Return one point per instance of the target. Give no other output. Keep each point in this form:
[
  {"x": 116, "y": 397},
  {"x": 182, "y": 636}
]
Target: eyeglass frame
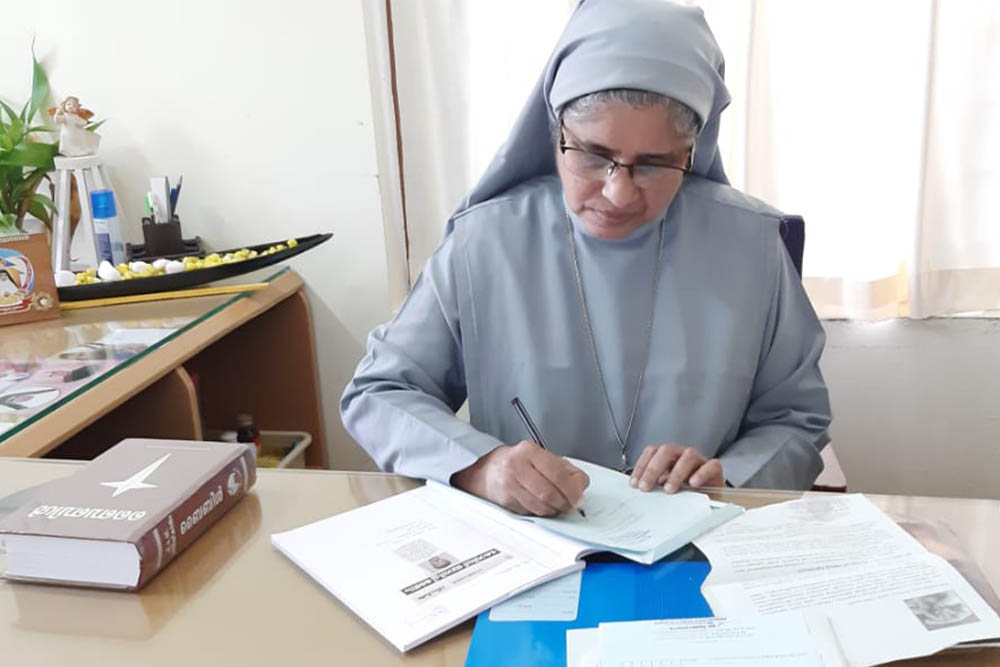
[{"x": 614, "y": 165}]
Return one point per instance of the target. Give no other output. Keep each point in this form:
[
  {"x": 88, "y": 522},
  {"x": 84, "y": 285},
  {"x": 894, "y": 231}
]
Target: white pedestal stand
[{"x": 84, "y": 168}]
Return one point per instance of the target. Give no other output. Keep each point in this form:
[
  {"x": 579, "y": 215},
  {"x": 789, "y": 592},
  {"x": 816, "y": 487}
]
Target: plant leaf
[
  {"x": 44, "y": 201},
  {"x": 39, "y": 86},
  {"x": 93, "y": 126},
  {"x": 37, "y": 209},
  {"x": 28, "y": 185},
  {"x": 30, "y": 155},
  {"x": 8, "y": 224},
  {"x": 15, "y": 131},
  {"x": 10, "y": 112}
]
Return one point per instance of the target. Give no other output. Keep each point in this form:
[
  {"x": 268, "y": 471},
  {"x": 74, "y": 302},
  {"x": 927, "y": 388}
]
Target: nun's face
[{"x": 613, "y": 206}]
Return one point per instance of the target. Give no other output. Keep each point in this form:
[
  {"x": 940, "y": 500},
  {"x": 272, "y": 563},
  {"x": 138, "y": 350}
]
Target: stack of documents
[
  {"x": 839, "y": 557},
  {"x": 823, "y": 581},
  {"x": 421, "y": 562}
]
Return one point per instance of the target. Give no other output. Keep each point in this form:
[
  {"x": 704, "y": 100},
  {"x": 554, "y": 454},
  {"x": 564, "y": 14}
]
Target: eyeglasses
[{"x": 596, "y": 167}]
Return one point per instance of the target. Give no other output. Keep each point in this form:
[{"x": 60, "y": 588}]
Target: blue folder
[{"x": 610, "y": 591}]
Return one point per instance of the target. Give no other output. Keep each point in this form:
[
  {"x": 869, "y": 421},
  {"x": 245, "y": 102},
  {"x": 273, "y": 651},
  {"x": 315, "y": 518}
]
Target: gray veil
[{"x": 649, "y": 45}]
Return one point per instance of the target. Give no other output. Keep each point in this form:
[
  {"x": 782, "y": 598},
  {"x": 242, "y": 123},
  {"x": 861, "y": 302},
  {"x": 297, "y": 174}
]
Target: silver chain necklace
[{"x": 622, "y": 440}]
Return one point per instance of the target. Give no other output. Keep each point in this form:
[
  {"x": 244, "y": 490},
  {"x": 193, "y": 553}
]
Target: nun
[{"x": 604, "y": 272}]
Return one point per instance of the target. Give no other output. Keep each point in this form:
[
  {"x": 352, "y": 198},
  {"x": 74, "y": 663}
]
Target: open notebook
[{"x": 419, "y": 563}]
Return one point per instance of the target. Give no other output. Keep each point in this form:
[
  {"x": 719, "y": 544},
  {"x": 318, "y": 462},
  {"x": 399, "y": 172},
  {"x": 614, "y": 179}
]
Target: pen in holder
[{"x": 163, "y": 239}]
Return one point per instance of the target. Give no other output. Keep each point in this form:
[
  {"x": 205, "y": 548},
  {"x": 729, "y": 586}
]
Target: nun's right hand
[{"x": 526, "y": 479}]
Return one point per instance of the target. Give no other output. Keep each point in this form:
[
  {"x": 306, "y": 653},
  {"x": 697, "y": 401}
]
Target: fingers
[
  {"x": 579, "y": 479},
  {"x": 514, "y": 506},
  {"x": 640, "y": 465},
  {"x": 660, "y": 461},
  {"x": 538, "y": 494},
  {"x": 671, "y": 466},
  {"x": 562, "y": 475},
  {"x": 689, "y": 461},
  {"x": 709, "y": 474},
  {"x": 530, "y": 480},
  {"x": 527, "y": 479}
]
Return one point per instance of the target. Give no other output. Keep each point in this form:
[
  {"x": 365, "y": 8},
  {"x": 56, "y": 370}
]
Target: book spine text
[{"x": 195, "y": 514}]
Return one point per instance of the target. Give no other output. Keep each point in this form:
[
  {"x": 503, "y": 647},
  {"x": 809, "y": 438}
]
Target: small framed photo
[{"x": 27, "y": 286}]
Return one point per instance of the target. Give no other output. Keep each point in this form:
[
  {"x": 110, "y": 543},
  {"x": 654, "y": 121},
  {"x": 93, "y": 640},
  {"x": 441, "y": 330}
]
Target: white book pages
[
  {"x": 643, "y": 526},
  {"x": 419, "y": 563}
]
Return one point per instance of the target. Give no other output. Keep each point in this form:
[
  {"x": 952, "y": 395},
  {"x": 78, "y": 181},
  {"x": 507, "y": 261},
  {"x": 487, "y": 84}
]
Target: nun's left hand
[{"x": 672, "y": 465}]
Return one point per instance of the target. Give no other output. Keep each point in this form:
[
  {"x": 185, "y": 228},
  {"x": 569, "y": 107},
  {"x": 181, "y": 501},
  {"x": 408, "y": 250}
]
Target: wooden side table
[{"x": 252, "y": 352}]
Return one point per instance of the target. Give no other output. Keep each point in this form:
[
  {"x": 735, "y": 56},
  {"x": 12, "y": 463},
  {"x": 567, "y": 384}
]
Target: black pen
[
  {"x": 175, "y": 194},
  {"x": 533, "y": 432}
]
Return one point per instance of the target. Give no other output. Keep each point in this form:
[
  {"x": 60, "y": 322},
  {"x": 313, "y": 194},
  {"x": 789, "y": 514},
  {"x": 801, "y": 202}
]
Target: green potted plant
[{"x": 25, "y": 160}]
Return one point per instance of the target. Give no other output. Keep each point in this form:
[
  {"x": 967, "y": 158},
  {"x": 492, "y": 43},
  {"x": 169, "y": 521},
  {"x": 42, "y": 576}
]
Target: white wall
[
  {"x": 916, "y": 405},
  {"x": 265, "y": 109}
]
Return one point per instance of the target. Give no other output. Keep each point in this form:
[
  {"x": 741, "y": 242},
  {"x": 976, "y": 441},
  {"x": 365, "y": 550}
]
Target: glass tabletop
[{"x": 43, "y": 365}]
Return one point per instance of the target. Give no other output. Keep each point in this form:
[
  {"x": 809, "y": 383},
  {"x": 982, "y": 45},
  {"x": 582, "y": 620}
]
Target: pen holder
[{"x": 164, "y": 239}]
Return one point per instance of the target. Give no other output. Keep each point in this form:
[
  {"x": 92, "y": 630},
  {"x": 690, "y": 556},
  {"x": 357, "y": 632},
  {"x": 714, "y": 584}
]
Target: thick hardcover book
[{"x": 127, "y": 514}]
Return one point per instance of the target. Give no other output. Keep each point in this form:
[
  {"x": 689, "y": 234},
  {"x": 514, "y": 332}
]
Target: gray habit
[{"x": 733, "y": 362}]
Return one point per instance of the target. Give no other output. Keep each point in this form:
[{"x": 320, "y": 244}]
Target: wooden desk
[
  {"x": 231, "y": 598},
  {"x": 235, "y": 353}
]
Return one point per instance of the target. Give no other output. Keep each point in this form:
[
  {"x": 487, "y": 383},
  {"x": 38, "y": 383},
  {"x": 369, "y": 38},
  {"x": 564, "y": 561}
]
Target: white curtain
[
  {"x": 463, "y": 70},
  {"x": 876, "y": 120},
  {"x": 957, "y": 239}
]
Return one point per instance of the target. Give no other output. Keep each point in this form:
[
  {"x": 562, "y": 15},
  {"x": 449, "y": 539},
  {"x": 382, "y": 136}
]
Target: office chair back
[{"x": 793, "y": 234}]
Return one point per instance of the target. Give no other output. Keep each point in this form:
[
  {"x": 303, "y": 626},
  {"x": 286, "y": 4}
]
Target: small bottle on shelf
[
  {"x": 246, "y": 431},
  {"x": 107, "y": 228}
]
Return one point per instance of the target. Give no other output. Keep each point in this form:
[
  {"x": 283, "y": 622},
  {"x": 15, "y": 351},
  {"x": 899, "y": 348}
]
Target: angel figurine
[{"x": 72, "y": 119}]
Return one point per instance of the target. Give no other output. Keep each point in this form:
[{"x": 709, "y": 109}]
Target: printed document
[
  {"x": 843, "y": 557},
  {"x": 420, "y": 562},
  {"x": 786, "y": 640}
]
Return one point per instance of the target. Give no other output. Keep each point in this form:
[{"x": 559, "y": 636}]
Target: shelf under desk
[{"x": 253, "y": 352}]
